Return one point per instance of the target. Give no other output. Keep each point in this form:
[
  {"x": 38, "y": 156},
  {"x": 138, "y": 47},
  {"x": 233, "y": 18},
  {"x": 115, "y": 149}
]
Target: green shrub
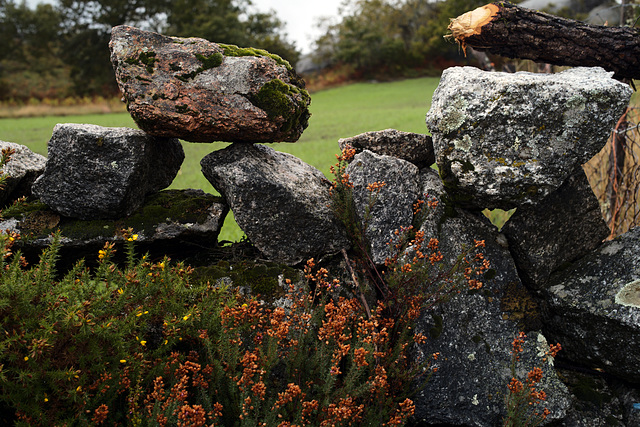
[{"x": 146, "y": 343}]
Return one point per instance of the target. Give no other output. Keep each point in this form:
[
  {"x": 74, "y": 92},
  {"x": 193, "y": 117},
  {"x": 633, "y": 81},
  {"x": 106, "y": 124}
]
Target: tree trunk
[{"x": 515, "y": 32}]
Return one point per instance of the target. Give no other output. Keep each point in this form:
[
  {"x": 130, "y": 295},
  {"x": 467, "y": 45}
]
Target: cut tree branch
[{"x": 508, "y": 30}]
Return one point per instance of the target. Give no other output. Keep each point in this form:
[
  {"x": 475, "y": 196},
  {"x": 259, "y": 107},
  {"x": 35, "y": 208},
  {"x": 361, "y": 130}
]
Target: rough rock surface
[
  {"x": 392, "y": 206},
  {"x": 200, "y": 91},
  {"x": 280, "y": 202},
  {"x": 593, "y": 308},
  {"x": 21, "y": 170},
  {"x": 176, "y": 223},
  {"x": 474, "y": 330},
  {"x": 95, "y": 172},
  {"x": 565, "y": 226},
  {"x": 505, "y": 140},
  {"x": 413, "y": 147}
]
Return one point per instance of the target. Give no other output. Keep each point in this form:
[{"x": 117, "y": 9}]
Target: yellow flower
[
  {"x": 102, "y": 253},
  {"x": 161, "y": 265},
  {"x": 133, "y": 238},
  {"x": 143, "y": 343},
  {"x": 46, "y": 399},
  {"x": 79, "y": 388},
  {"x": 186, "y": 317},
  {"x": 123, "y": 361},
  {"x": 26, "y": 358},
  {"x": 120, "y": 291}
]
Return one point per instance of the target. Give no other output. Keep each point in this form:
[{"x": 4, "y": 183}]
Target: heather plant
[
  {"x": 523, "y": 400},
  {"x": 4, "y": 159},
  {"x": 144, "y": 343}
]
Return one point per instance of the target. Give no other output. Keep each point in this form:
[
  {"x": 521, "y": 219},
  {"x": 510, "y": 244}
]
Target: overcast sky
[{"x": 299, "y": 16}]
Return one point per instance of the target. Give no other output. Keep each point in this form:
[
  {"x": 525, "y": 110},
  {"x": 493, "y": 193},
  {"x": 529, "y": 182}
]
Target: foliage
[
  {"x": 523, "y": 400},
  {"x": 389, "y": 37},
  {"x": 144, "y": 344}
]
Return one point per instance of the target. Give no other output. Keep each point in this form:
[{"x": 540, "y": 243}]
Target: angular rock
[
  {"x": 564, "y": 226},
  {"x": 280, "y": 202},
  {"x": 593, "y": 308},
  {"x": 177, "y": 223},
  {"x": 474, "y": 330},
  {"x": 96, "y": 172},
  {"x": 413, "y": 147},
  {"x": 200, "y": 91},
  {"x": 392, "y": 206},
  {"x": 505, "y": 140},
  {"x": 22, "y": 169}
]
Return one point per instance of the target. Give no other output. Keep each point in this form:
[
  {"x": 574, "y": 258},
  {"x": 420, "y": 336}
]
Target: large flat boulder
[
  {"x": 200, "y": 91},
  {"x": 593, "y": 308},
  {"x": 505, "y": 140},
  {"x": 564, "y": 226},
  {"x": 95, "y": 172},
  {"x": 416, "y": 148},
  {"x": 387, "y": 209},
  {"x": 281, "y": 203},
  {"x": 21, "y": 171},
  {"x": 176, "y": 223}
]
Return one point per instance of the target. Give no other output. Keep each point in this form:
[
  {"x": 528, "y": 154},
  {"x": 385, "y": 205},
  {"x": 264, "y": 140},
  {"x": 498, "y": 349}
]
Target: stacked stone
[
  {"x": 191, "y": 89},
  {"x": 498, "y": 141}
]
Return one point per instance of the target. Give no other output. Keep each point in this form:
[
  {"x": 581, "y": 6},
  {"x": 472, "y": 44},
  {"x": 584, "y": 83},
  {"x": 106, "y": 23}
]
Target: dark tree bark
[{"x": 515, "y": 32}]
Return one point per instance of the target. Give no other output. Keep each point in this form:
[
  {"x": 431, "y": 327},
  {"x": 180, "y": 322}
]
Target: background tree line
[{"x": 61, "y": 50}]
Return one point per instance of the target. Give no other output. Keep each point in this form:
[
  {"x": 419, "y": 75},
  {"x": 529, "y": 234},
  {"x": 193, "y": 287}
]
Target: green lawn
[{"x": 336, "y": 113}]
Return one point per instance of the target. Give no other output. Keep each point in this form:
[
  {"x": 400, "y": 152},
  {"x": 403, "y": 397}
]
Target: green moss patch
[
  {"x": 279, "y": 99},
  {"x": 208, "y": 62},
  {"x": 147, "y": 59},
  {"x": 233, "y": 50},
  {"x": 260, "y": 278},
  {"x": 38, "y": 220}
]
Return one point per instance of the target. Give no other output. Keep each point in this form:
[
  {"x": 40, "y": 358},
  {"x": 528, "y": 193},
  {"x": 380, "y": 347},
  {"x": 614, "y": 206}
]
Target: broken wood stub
[{"x": 515, "y": 32}]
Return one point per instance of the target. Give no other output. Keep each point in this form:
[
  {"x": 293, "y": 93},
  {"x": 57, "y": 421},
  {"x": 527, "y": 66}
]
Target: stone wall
[{"x": 498, "y": 141}]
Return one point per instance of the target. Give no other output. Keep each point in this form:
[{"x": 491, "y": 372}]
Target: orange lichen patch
[{"x": 471, "y": 23}]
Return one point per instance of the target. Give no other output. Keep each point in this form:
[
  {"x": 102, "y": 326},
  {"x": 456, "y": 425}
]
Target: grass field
[{"x": 336, "y": 113}]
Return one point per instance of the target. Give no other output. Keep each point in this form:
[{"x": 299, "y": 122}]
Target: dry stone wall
[{"x": 499, "y": 140}]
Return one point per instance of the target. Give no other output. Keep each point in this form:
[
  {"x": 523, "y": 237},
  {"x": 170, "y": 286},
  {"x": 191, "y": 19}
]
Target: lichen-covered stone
[
  {"x": 593, "y": 308},
  {"x": 564, "y": 226},
  {"x": 200, "y": 91},
  {"x": 281, "y": 203},
  {"x": 413, "y": 147},
  {"x": 95, "y": 172},
  {"x": 20, "y": 172},
  {"x": 505, "y": 140},
  {"x": 473, "y": 331},
  {"x": 178, "y": 223},
  {"x": 388, "y": 209}
]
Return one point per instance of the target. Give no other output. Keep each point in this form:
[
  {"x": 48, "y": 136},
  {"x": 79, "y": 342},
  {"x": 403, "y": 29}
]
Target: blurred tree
[
  {"x": 29, "y": 50},
  {"x": 390, "y": 36},
  {"x": 87, "y": 30},
  {"x": 232, "y": 22},
  {"x": 89, "y": 23}
]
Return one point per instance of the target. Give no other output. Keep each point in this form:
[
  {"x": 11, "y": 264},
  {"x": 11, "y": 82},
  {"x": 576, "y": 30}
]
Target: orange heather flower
[
  {"x": 376, "y": 186},
  {"x": 517, "y": 344},
  {"x": 554, "y": 349},
  {"x": 515, "y": 386},
  {"x": 100, "y": 414},
  {"x": 360, "y": 356},
  {"x": 535, "y": 375}
]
